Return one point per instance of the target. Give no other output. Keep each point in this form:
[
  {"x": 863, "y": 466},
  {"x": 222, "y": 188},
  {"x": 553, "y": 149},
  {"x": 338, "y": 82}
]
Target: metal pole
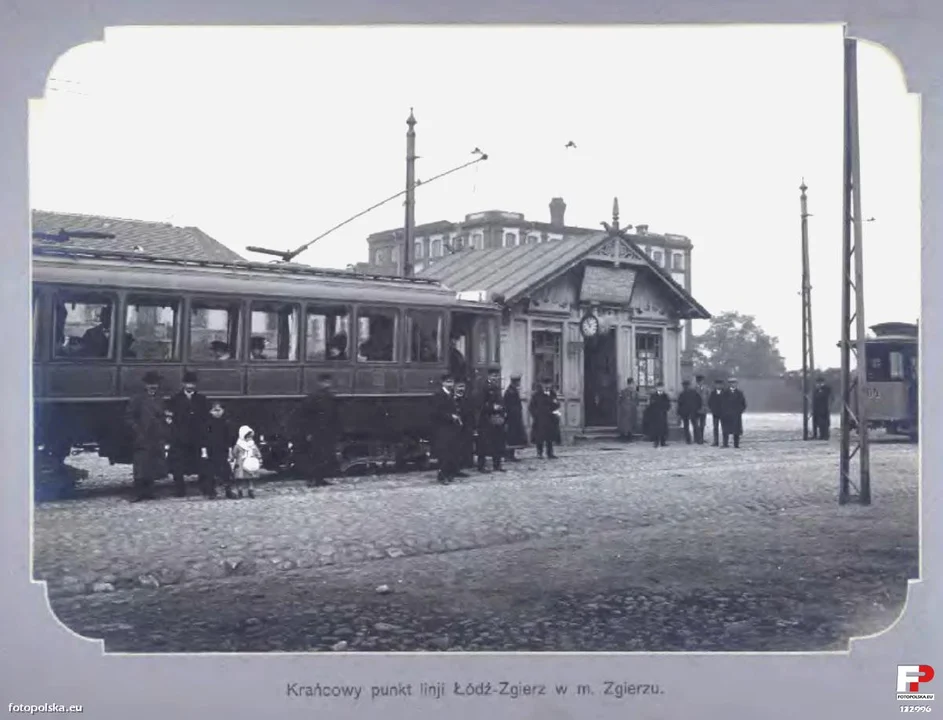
[
  {"x": 410, "y": 223},
  {"x": 805, "y": 314}
]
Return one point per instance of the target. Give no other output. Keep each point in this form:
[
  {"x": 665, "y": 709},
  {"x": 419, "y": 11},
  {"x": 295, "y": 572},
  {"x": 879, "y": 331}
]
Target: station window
[
  {"x": 424, "y": 329},
  {"x": 376, "y": 334},
  {"x": 214, "y": 330},
  {"x": 151, "y": 329},
  {"x": 84, "y": 326},
  {"x": 547, "y": 355},
  {"x": 677, "y": 261},
  {"x": 328, "y": 333},
  {"x": 648, "y": 359},
  {"x": 658, "y": 257},
  {"x": 274, "y": 332}
]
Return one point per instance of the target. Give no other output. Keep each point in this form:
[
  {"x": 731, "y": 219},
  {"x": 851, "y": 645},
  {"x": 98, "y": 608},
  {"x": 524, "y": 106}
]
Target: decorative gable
[{"x": 617, "y": 250}]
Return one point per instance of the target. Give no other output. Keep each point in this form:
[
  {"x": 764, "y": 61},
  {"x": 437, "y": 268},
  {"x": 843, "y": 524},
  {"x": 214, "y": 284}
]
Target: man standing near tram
[{"x": 321, "y": 425}]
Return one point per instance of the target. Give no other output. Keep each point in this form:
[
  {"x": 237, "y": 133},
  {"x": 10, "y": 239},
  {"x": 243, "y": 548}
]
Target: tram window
[
  {"x": 84, "y": 326},
  {"x": 274, "y": 332},
  {"x": 214, "y": 331},
  {"x": 376, "y": 335},
  {"x": 896, "y": 365},
  {"x": 151, "y": 329},
  {"x": 328, "y": 335},
  {"x": 482, "y": 331},
  {"x": 37, "y": 324},
  {"x": 424, "y": 328}
]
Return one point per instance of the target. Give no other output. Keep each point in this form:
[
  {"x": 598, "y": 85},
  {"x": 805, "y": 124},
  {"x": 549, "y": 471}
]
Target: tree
[{"x": 735, "y": 346}]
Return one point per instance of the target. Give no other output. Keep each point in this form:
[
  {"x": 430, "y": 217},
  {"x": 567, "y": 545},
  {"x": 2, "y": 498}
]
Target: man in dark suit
[
  {"x": 660, "y": 404},
  {"x": 689, "y": 405},
  {"x": 191, "y": 412},
  {"x": 492, "y": 418},
  {"x": 321, "y": 426},
  {"x": 446, "y": 428},
  {"x": 732, "y": 406},
  {"x": 713, "y": 404},
  {"x": 821, "y": 409}
]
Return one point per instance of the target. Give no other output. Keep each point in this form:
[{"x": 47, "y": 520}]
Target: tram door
[{"x": 913, "y": 392}]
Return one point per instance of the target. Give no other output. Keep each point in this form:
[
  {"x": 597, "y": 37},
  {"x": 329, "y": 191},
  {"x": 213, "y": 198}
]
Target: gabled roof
[
  {"x": 514, "y": 271},
  {"x": 151, "y": 238}
]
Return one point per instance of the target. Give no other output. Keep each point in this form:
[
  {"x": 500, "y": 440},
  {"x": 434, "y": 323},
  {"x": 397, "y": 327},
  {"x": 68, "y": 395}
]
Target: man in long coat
[
  {"x": 321, "y": 427},
  {"x": 145, "y": 416},
  {"x": 446, "y": 428},
  {"x": 467, "y": 436},
  {"x": 732, "y": 406},
  {"x": 700, "y": 419},
  {"x": 689, "y": 405},
  {"x": 714, "y": 405},
  {"x": 191, "y": 412},
  {"x": 628, "y": 410},
  {"x": 542, "y": 409},
  {"x": 659, "y": 404},
  {"x": 821, "y": 409},
  {"x": 491, "y": 425},
  {"x": 516, "y": 432}
]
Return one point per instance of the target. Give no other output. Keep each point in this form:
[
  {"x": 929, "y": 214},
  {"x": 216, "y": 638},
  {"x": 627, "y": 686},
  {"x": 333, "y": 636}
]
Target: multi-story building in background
[{"x": 499, "y": 228}]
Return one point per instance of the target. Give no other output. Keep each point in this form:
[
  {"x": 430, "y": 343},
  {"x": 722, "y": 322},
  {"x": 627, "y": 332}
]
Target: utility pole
[
  {"x": 808, "y": 354},
  {"x": 854, "y": 400},
  {"x": 410, "y": 224}
]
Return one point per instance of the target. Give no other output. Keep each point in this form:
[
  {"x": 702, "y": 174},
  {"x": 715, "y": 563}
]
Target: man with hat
[
  {"x": 465, "y": 403},
  {"x": 732, "y": 406},
  {"x": 821, "y": 409},
  {"x": 191, "y": 412},
  {"x": 446, "y": 430},
  {"x": 689, "y": 405},
  {"x": 659, "y": 404},
  {"x": 145, "y": 416},
  {"x": 700, "y": 418},
  {"x": 516, "y": 437},
  {"x": 544, "y": 411},
  {"x": 714, "y": 405},
  {"x": 321, "y": 427},
  {"x": 491, "y": 421}
]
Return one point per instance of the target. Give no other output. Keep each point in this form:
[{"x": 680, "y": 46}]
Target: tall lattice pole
[
  {"x": 808, "y": 353},
  {"x": 854, "y": 402},
  {"x": 410, "y": 221}
]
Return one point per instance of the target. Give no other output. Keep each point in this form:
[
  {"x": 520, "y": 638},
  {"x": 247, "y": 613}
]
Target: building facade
[
  {"x": 586, "y": 312},
  {"x": 495, "y": 229}
]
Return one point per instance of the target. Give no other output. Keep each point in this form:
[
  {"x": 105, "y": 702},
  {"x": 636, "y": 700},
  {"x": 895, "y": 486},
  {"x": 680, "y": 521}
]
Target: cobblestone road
[{"x": 607, "y": 548}]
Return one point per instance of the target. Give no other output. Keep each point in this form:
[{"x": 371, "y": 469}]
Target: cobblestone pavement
[{"x": 607, "y": 548}]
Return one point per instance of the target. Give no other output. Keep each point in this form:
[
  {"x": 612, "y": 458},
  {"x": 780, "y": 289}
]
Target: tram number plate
[{"x": 873, "y": 393}]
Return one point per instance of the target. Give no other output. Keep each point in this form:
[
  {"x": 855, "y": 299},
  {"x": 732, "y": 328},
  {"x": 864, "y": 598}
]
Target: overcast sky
[{"x": 269, "y": 136}]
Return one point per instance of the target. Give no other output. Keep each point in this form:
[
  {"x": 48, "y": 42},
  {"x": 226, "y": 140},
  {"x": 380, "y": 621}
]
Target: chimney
[
  {"x": 557, "y": 210},
  {"x": 641, "y": 229}
]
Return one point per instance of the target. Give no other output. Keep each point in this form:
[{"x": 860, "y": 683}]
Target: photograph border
[{"x": 45, "y": 662}]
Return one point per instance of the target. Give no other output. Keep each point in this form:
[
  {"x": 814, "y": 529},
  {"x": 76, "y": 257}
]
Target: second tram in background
[
  {"x": 893, "y": 388},
  {"x": 258, "y": 336}
]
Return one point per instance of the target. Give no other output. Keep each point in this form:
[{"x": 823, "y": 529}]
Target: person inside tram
[
  {"x": 458, "y": 367},
  {"x": 337, "y": 347},
  {"x": 220, "y": 350},
  {"x": 257, "y": 348},
  {"x": 97, "y": 339}
]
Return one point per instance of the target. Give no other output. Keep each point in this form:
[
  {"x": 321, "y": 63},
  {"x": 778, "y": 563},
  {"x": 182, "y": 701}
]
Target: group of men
[{"x": 491, "y": 427}]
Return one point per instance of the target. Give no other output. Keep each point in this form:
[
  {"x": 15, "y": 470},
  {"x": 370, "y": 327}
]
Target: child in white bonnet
[{"x": 246, "y": 460}]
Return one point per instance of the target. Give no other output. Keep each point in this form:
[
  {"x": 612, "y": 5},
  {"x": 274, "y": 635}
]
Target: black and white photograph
[{"x": 469, "y": 339}]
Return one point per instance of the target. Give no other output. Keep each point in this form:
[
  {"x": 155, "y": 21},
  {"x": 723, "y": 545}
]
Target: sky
[{"x": 270, "y": 136}]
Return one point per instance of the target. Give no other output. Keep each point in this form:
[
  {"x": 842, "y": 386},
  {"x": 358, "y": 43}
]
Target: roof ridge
[{"x": 109, "y": 217}]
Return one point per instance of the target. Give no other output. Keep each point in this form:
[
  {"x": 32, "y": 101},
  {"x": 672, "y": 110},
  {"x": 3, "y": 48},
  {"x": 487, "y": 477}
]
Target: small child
[
  {"x": 218, "y": 443},
  {"x": 246, "y": 460}
]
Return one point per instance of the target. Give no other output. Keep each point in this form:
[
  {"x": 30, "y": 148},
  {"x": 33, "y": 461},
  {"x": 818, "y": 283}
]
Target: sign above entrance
[{"x": 609, "y": 285}]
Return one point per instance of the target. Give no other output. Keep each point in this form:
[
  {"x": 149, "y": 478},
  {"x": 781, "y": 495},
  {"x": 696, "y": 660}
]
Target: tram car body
[
  {"x": 892, "y": 371},
  {"x": 258, "y": 336}
]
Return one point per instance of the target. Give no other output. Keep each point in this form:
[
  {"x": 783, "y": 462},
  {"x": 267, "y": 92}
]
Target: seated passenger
[
  {"x": 257, "y": 348},
  {"x": 97, "y": 340},
  {"x": 220, "y": 350},
  {"x": 337, "y": 347}
]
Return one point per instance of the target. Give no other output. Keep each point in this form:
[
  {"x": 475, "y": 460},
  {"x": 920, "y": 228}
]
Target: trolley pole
[
  {"x": 808, "y": 355},
  {"x": 854, "y": 400},
  {"x": 410, "y": 223}
]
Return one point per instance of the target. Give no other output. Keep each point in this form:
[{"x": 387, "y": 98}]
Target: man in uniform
[
  {"x": 321, "y": 424},
  {"x": 514, "y": 406},
  {"x": 491, "y": 422},
  {"x": 145, "y": 417},
  {"x": 700, "y": 419},
  {"x": 732, "y": 406},
  {"x": 689, "y": 406},
  {"x": 713, "y": 404},
  {"x": 821, "y": 409},
  {"x": 446, "y": 427},
  {"x": 191, "y": 413}
]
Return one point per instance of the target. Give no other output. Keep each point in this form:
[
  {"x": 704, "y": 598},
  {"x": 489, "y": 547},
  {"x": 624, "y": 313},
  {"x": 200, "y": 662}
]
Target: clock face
[{"x": 590, "y": 325}]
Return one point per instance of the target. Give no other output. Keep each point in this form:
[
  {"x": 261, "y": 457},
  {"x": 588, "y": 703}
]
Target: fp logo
[{"x": 910, "y": 677}]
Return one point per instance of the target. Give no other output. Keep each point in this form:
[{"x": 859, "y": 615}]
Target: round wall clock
[{"x": 589, "y": 325}]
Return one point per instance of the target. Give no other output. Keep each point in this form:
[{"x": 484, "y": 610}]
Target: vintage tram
[
  {"x": 892, "y": 388},
  {"x": 258, "y": 336}
]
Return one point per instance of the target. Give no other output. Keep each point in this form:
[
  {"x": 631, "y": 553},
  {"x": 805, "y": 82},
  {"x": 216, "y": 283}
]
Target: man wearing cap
[
  {"x": 821, "y": 409},
  {"x": 689, "y": 405},
  {"x": 516, "y": 432},
  {"x": 713, "y": 404},
  {"x": 191, "y": 412},
  {"x": 446, "y": 430},
  {"x": 700, "y": 418},
  {"x": 491, "y": 421},
  {"x": 732, "y": 406},
  {"x": 149, "y": 434},
  {"x": 321, "y": 427}
]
